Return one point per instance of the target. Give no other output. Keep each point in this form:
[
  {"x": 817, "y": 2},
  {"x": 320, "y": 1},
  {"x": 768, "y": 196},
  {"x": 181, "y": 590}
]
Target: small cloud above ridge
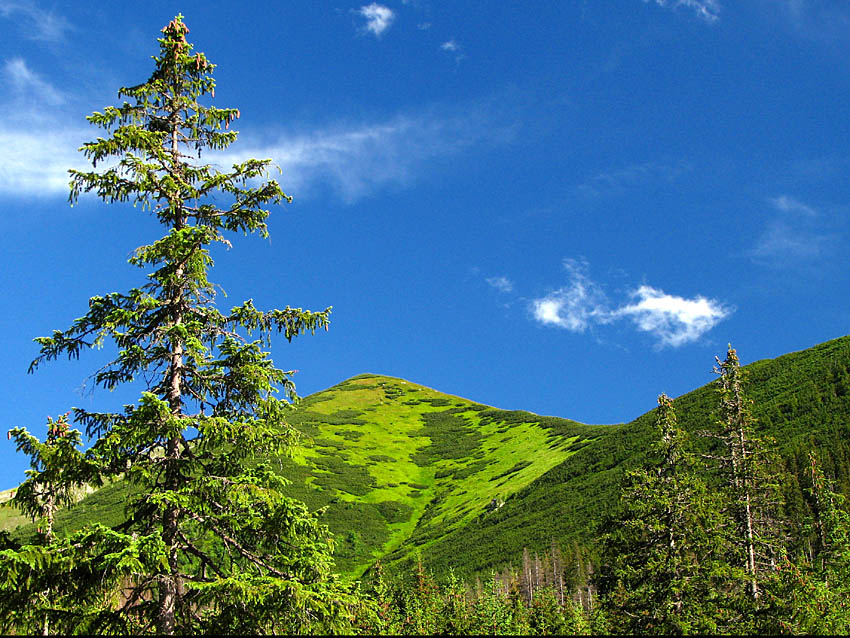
[
  {"x": 574, "y": 307},
  {"x": 672, "y": 320}
]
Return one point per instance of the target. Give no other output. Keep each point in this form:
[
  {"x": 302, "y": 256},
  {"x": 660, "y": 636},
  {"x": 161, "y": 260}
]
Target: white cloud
[
  {"x": 40, "y": 24},
  {"x": 378, "y": 18},
  {"x": 355, "y": 160},
  {"x": 708, "y": 10},
  {"x": 573, "y": 307},
  {"x": 672, "y": 320},
  {"x": 37, "y": 149},
  {"x": 502, "y": 284},
  {"x": 36, "y": 163},
  {"x": 451, "y": 45}
]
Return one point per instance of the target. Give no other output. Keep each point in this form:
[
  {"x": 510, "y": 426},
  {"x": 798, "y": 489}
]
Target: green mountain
[{"x": 403, "y": 470}]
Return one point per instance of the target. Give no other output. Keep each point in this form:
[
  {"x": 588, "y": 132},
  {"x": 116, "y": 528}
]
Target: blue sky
[{"x": 562, "y": 207}]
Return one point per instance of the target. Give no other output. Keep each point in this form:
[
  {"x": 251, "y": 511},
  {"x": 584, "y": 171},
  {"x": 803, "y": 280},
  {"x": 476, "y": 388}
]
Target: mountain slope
[
  {"x": 403, "y": 470},
  {"x": 398, "y": 465},
  {"x": 394, "y": 465},
  {"x": 801, "y": 399}
]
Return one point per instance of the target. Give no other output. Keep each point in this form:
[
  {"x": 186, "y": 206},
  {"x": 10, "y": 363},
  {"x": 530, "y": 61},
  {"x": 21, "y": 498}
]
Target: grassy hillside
[
  {"x": 802, "y": 399},
  {"x": 394, "y": 465},
  {"x": 401, "y": 469},
  {"x": 398, "y": 465}
]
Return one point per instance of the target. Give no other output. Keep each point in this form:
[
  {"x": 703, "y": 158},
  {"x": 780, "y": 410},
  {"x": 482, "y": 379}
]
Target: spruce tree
[
  {"x": 57, "y": 468},
  {"x": 660, "y": 552},
  {"x": 57, "y": 471},
  {"x": 211, "y": 542}
]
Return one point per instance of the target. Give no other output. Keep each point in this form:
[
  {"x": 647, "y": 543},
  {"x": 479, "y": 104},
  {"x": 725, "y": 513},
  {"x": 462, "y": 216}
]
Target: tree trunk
[{"x": 169, "y": 586}]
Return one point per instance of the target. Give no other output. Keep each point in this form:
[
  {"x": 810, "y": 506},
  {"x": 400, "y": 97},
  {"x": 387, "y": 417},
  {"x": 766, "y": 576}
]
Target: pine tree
[
  {"x": 211, "y": 543},
  {"x": 660, "y": 552}
]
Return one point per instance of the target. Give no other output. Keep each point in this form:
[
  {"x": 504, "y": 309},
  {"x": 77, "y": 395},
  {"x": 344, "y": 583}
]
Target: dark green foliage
[
  {"x": 516, "y": 468},
  {"x": 452, "y": 437},
  {"x": 663, "y": 552},
  {"x": 811, "y": 594},
  {"x": 568, "y": 501},
  {"x": 809, "y": 410},
  {"x": 421, "y": 605},
  {"x": 349, "y": 435},
  {"x": 749, "y": 477},
  {"x": 436, "y": 403},
  {"x": 336, "y": 474},
  {"x": 394, "y": 512}
]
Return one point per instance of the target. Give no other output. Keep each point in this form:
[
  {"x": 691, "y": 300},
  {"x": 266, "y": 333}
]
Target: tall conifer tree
[
  {"x": 750, "y": 471},
  {"x": 211, "y": 543},
  {"x": 660, "y": 552}
]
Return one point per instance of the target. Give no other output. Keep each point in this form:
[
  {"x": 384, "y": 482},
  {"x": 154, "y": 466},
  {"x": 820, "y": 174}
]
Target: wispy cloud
[
  {"x": 788, "y": 204},
  {"x": 378, "y": 18},
  {"x": 795, "y": 233},
  {"x": 502, "y": 284},
  {"x": 708, "y": 10},
  {"x": 37, "y": 23},
  {"x": 38, "y": 149},
  {"x": 619, "y": 180},
  {"x": 35, "y": 164},
  {"x": 582, "y": 304},
  {"x": 822, "y": 22},
  {"x": 348, "y": 160},
  {"x": 26, "y": 84},
  {"x": 356, "y": 160}
]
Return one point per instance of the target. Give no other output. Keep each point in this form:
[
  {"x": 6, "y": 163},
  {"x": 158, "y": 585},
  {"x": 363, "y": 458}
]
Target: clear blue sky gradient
[{"x": 564, "y": 207}]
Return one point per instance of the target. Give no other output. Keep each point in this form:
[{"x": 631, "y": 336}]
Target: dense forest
[{"x": 380, "y": 506}]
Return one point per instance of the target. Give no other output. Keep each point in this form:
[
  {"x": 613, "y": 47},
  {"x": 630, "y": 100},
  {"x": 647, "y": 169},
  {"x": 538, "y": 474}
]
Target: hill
[
  {"x": 403, "y": 470},
  {"x": 801, "y": 399},
  {"x": 398, "y": 465}
]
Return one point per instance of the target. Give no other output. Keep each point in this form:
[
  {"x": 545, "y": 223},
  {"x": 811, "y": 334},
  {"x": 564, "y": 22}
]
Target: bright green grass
[
  {"x": 10, "y": 517},
  {"x": 395, "y": 445}
]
